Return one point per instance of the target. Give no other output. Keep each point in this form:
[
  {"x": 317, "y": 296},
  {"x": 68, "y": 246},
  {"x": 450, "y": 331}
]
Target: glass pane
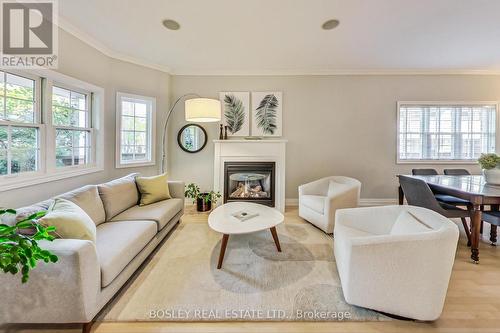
[
  {"x": 20, "y": 87},
  {"x": 64, "y": 139},
  {"x": 23, "y": 160},
  {"x": 61, "y": 115},
  {"x": 80, "y": 139},
  {"x": 140, "y": 153},
  {"x": 128, "y": 123},
  {"x": 127, "y": 108},
  {"x": 78, "y": 101},
  {"x": 24, "y": 137},
  {"x": 128, "y": 138},
  {"x": 140, "y": 110},
  {"x": 3, "y": 162},
  {"x": 3, "y": 138},
  {"x": 2, "y": 83},
  {"x": 81, "y": 156},
  {"x": 61, "y": 97},
  {"x": 140, "y": 124},
  {"x": 2, "y": 110},
  {"x": 19, "y": 110},
  {"x": 140, "y": 139},
  {"x": 127, "y": 153},
  {"x": 64, "y": 157}
]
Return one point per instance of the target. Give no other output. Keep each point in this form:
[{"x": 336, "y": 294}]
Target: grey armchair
[{"x": 418, "y": 193}]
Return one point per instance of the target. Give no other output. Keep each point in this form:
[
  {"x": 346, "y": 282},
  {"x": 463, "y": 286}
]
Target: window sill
[
  {"x": 134, "y": 165},
  {"x": 450, "y": 162},
  {"x": 12, "y": 183}
]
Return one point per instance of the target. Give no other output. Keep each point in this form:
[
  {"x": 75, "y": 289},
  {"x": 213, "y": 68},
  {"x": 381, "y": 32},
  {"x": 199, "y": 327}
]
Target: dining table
[{"x": 475, "y": 190}]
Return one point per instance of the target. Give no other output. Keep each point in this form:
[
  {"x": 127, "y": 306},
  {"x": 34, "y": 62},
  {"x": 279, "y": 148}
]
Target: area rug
[{"x": 256, "y": 282}]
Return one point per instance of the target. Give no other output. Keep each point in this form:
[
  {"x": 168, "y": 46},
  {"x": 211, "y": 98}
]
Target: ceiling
[{"x": 285, "y": 37}]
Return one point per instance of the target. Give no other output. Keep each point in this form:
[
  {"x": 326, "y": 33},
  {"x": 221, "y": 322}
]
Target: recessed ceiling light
[
  {"x": 330, "y": 24},
  {"x": 171, "y": 24}
]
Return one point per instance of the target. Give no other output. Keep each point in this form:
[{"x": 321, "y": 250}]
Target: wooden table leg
[
  {"x": 476, "y": 233},
  {"x": 275, "y": 237},
  {"x": 223, "y": 246},
  {"x": 401, "y": 195}
]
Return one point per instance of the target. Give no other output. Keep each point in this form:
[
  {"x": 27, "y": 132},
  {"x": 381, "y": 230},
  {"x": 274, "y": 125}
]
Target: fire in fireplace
[{"x": 249, "y": 181}]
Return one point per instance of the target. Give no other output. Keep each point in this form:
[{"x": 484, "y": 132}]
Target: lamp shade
[{"x": 203, "y": 110}]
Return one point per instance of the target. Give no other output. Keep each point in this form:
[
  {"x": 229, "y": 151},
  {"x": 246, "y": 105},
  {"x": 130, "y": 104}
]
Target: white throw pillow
[
  {"x": 407, "y": 223},
  {"x": 70, "y": 221}
]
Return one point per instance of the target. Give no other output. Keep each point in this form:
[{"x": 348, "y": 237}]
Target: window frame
[
  {"x": 89, "y": 128},
  {"x": 151, "y": 130},
  {"x": 48, "y": 171},
  {"x": 442, "y": 103}
]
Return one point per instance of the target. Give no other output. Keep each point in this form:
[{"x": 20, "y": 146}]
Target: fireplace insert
[{"x": 250, "y": 181}]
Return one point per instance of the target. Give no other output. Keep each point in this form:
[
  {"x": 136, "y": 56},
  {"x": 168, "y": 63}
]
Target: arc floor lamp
[{"x": 196, "y": 109}]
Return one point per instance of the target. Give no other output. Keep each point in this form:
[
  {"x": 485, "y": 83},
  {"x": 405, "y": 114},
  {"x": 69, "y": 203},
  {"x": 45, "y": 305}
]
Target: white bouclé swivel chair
[
  {"x": 319, "y": 200},
  {"x": 395, "y": 259}
]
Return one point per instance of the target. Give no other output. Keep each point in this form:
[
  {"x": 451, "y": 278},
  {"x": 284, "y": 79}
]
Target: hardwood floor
[{"x": 472, "y": 303}]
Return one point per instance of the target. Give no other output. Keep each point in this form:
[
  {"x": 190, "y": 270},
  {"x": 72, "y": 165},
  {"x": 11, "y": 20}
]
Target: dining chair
[
  {"x": 418, "y": 193},
  {"x": 456, "y": 172},
  {"x": 449, "y": 199},
  {"x": 493, "y": 218},
  {"x": 424, "y": 172}
]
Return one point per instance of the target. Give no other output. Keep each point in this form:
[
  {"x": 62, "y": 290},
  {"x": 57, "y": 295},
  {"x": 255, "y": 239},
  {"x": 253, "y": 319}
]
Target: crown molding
[
  {"x": 86, "y": 38},
  {"x": 336, "y": 72}
]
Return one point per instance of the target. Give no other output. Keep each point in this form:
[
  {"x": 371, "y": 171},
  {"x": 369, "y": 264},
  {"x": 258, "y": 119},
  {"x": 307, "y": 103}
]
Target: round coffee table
[{"x": 221, "y": 220}]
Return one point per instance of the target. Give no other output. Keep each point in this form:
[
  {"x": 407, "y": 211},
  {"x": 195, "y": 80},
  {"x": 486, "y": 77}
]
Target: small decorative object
[
  {"x": 236, "y": 112},
  {"x": 267, "y": 113},
  {"x": 244, "y": 215},
  {"x": 225, "y": 132},
  {"x": 203, "y": 200},
  {"x": 221, "y": 134},
  {"x": 19, "y": 249},
  {"x": 192, "y": 138},
  {"x": 490, "y": 163}
]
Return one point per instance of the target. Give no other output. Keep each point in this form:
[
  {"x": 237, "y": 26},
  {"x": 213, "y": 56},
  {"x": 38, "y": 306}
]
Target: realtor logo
[{"x": 29, "y": 34}]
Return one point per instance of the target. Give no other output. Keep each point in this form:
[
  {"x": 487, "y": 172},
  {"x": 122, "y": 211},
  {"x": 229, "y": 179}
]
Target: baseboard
[{"x": 363, "y": 202}]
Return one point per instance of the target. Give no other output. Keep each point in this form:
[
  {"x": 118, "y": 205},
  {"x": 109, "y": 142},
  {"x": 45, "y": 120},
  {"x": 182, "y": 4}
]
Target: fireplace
[{"x": 250, "y": 181}]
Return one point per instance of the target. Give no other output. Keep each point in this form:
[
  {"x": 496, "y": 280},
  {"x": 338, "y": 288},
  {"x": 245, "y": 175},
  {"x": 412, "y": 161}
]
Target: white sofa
[
  {"x": 395, "y": 259},
  {"x": 319, "y": 200},
  {"x": 88, "y": 275}
]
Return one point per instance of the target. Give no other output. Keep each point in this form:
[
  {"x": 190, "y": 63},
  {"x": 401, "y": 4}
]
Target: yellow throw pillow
[
  {"x": 70, "y": 221},
  {"x": 153, "y": 189}
]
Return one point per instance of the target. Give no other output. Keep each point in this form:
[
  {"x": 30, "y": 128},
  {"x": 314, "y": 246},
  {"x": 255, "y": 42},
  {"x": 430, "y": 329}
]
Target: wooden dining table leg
[{"x": 476, "y": 219}]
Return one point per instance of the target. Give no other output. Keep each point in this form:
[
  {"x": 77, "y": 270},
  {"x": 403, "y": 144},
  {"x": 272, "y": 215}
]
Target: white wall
[
  {"x": 336, "y": 125},
  {"x": 79, "y": 60}
]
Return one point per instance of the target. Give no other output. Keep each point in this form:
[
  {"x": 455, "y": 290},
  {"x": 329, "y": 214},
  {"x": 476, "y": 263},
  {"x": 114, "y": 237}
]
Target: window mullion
[{"x": 9, "y": 148}]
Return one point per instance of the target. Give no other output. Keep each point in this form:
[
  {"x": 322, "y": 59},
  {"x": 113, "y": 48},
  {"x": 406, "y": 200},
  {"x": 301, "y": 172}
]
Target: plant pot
[
  {"x": 202, "y": 205},
  {"x": 492, "y": 176}
]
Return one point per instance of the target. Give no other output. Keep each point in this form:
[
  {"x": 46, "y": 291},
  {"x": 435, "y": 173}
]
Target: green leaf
[{"x": 24, "y": 225}]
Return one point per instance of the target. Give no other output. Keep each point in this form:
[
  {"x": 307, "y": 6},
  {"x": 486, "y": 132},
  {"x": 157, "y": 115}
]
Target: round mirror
[{"x": 192, "y": 138}]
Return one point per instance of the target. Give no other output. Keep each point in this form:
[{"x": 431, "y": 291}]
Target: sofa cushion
[
  {"x": 407, "y": 223},
  {"x": 314, "y": 202},
  {"x": 118, "y": 243},
  {"x": 152, "y": 189},
  {"x": 88, "y": 199},
  {"x": 118, "y": 195},
  {"x": 161, "y": 212},
  {"x": 70, "y": 220}
]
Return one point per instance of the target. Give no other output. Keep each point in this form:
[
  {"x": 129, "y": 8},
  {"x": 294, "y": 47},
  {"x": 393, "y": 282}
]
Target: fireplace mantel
[{"x": 265, "y": 150}]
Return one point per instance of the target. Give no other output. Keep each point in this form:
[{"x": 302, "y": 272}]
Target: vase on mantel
[{"x": 492, "y": 176}]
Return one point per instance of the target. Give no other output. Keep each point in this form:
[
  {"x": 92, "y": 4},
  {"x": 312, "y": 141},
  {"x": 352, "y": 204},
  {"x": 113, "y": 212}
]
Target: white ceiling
[{"x": 284, "y": 36}]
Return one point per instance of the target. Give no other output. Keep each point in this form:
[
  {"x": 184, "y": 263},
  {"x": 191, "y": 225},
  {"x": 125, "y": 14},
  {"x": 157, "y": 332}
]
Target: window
[
  {"x": 453, "y": 132},
  {"x": 19, "y": 125},
  {"x": 71, "y": 119},
  {"x": 135, "y": 125},
  {"x": 49, "y": 126}
]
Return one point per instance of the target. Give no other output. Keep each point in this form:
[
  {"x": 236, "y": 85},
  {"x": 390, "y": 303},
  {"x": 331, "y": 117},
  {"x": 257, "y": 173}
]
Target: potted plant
[
  {"x": 203, "y": 200},
  {"x": 490, "y": 163},
  {"x": 19, "y": 249}
]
